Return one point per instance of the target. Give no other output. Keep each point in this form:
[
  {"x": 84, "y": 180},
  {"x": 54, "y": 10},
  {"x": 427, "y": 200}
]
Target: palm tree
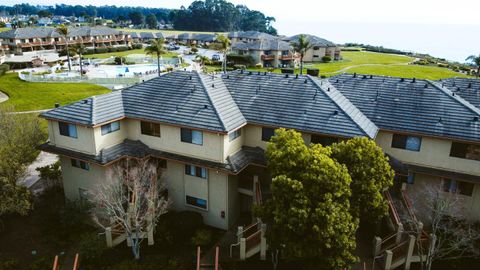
[
  {"x": 62, "y": 29},
  {"x": 79, "y": 49},
  {"x": 203, "y": 60},
  {"x": 156, "y": 47},
  {"x": 224, "y": 47},
  {"x": 302, "y": 45},
  {"x": 475, "y": 59}
]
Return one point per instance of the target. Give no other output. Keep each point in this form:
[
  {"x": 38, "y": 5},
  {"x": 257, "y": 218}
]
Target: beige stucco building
[
  {"x": 319, "y": 48},
  {"x": 211, "y": 133}
]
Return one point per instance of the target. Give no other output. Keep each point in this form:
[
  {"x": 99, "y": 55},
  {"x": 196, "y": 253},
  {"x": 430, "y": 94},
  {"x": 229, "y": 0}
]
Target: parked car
[{"x": 216, "y": 57}]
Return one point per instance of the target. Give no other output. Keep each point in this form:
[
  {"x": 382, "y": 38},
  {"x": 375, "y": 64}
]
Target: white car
[{"x": 216, "y": 57}]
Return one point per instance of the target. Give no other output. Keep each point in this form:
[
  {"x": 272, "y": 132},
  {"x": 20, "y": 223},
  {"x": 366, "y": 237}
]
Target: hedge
[
  {"x": 101, "y": 50},
  {"x": 313, "y": 71},
  {"x": 238, "y": 59},
  {"x": 4, "y": 68}
]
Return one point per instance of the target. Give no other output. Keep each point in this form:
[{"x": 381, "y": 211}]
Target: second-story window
[
  {"x": 267, "y": 133},
  {"x": 191, "y": 136},
  {"x": 80, "y": 164},
  {"x": 234, "y": 134},
  {"x": 464, "y": 150},
  {"x": 456, "y": 186},
  {"x": 66, "y": 129},
  {"x": 196, "y": 171},
  {"x": 412, "y": 143},
  {"x": 323, "y": 140},
  {"x": 150, "y": 129},
  {"x": 110, "y": 127}
]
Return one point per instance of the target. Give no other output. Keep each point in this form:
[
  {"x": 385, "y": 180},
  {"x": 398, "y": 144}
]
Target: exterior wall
[
  {"x": 433, "y": 153},
  {"x": 111, "y": 139},
  {"x": 75, "y": 179},
  {"x": 212, "y": 148},
  {"x": 469, "y": 205},
  {"x": 253, "y": 136},
  {"x": 233, "y": 200},
  {"x": 231, "y": 147},
  {"x": 84, "y": 142}
]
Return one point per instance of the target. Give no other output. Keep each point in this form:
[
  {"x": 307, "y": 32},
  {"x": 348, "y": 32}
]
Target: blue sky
[{"x": 449, "y": 29}]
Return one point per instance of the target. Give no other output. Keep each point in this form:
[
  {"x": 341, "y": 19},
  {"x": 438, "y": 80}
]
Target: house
[
  {"x": 249, "y": 36},
  {"x": 145, "y": 36},
  {"x": 28, "y": 39},
  {"x": 320, "y": 48},
  {"x": 210, "y": 133},
  {"x": 2, "y": 53},
  {"x": 267, "y": 52}
]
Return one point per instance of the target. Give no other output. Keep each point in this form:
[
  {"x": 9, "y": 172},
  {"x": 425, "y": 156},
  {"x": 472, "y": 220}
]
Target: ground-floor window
[
  {"x": 197, "y": 202},
  {"x": 80, "y": 164},
  {"x": 456, "y": 186}
]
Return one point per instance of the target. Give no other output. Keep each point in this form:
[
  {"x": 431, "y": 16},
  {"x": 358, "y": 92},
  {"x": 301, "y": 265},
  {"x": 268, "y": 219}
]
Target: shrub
[
  {"x": 137, "y": 46},
  {"x": 9, "y": 264},
  {"x": 169, "y": 69},
  {"x": 313, "y": 71},
  {"x": 111, "y": 49},
  {"x": 51, "y": 173},
  {"x": 287, "y": 70},
  {"x": 101, "y": 50},
  {"x": 194, "y": 50},
  {"x": 323, "y": 76},
  {"x": 326, "y": 59},
  {"x": 240, "y": 59},
  {"x": 443, "y": 65},
  {"x": 122, "y": 49},
  {"x": 73, "y": 216},
  {"x": 4, "y": 68},
  {"x": 89, "y": 51},
  {"x": 239, "y": 67},
  {"x": 178, "y": 227},
  {"x": 119, "y": 60},
  {"x": 91, "y": 247},
  {"x": 259, "y": 65},
  {"x": 202, "y": 237},
  {"x": 41, "y": 263}
]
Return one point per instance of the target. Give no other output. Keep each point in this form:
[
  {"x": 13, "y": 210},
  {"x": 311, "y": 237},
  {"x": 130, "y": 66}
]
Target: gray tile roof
[
  {"x": 314, "y": 40},
  {"x": 262, "y": 45},
  {"x": 250, "y": 35},
  {"x": 419, "y": 106},
  {"x": 43, "y": 32},
  {"x": 467, "y": 88},
  {"x": 299, "y": 103}
]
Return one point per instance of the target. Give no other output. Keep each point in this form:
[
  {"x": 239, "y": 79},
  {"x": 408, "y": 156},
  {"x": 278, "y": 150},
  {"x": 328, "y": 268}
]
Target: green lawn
[
  {"x": 27, "y": 96},
  {"x": 408, "y": 71},
  {"x": 125, "y": 53}
]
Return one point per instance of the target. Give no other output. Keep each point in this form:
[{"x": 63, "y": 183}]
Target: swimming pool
[{"x": 123, "y": 71}]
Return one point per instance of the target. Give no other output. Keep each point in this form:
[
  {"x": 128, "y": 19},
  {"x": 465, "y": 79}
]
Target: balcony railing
[
  {"x": 286, "y": 57},
  {"x": 268, "y": 57}
]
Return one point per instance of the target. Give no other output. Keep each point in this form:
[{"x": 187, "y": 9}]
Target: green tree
[
  {"x": 151, "y": 21},
  {"x": 64, "y": 31},
  {"x": 302, "y": 45},
  {"x": 475, "y": 59},
  {"x": 308, "y": 214},
  {"x": 371, "y": 175},
  {"x": 156, "y": 47},
  {"x": 19, "y": 135},
  {"x": 136, "y": 17},
  {"x": 224, "y": 42},
  {"x": 44, "y": 13}
]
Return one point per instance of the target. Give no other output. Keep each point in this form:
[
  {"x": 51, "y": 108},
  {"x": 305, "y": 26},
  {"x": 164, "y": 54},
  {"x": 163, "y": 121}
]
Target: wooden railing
[
  {"x": 253, "y": 240},
  {"x": 393, "y": 211}
]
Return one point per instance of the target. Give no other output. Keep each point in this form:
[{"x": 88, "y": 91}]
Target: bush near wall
[
  {"x": 137, "y": 46},
  {"x": 122, "y": 49},
  {"x": 238, "y": 59},
  {"x": 313, "y": 72},
  {"x": 326, "y": 59},
  {"x": 101, "y": 50}
]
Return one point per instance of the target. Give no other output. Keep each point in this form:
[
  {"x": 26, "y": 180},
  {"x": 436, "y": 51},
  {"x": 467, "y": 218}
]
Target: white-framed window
[
  {"x": 80, "y": 164},
  {"x": 110, "y": 127},
  {"x": 457, "y": 186},
  {"x": 196, "y": 202},
  {"x": 412, "y": 143},
  {"x": 150, "y": 129},
  {"x": 191, "y": 136},
  {"x": 197, "y": 171},
  {"x": 69, "y": 130},
  {"x": 234, "y": 134}
]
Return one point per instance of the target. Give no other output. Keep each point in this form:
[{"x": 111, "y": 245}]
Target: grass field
[
  {"x": 27, "y": 96},
  {"x": 125, "y": 53},
  {"x": 3, "y": 29},
  {"x": 408, "y": 71}
]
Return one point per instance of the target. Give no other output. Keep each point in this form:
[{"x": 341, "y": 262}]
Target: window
[
  {"x": 234, "y": 134},
  {"x": 454, "y": 186},
  {"x": 463, "y": 150},
  {"x": 201, "y": 203},
  {"x": 191, "y": 136},
  {"x": 68, "y": 130},
  {"x": 267, "y": 52},
  {"x": 196, "y": 171},
  {"x": 323, "y": 140},
  {"x": 267, "y": 133},
  {"x": 411, "y": 143},
  {"x": 111, "y": 127},
  {"x": 316, "y": 48},
  {"x": 150, "y": 129},
  {"x": 80, "y": 164}
]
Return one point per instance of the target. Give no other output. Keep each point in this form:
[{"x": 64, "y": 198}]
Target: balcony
[
  {"x": 268, "y": 57},
  {"x": 286, "y": 57}
]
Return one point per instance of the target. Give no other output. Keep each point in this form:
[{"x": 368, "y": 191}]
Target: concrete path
[
  {"x": 32, "y": 175},
  {"x": 3, "y": 97}
]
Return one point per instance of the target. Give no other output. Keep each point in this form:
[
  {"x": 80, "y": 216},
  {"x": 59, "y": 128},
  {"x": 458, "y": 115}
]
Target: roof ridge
[
  {"x": 210, "y": 99},
  {"x": 335, "y": 99},
  {"x": 454, "y": 96}
]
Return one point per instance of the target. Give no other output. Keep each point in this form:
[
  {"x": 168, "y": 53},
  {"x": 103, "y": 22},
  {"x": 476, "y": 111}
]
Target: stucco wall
[
  {"x": 212, "y": 148},
  {"x": 231, "y": 147},
  {"x": 253, "y": 136},
  {"x": 76, "y": 178},
  {"x": 84, "y": 142},
  {"x": 433, "y": 153},
  {"x": 110, "y": 139}
]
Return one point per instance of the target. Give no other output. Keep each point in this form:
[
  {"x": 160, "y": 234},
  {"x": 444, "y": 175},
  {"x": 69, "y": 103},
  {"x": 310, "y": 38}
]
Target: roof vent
[
  {"x": 453, "y": 83},
  {"x": 213, "y": 85},
  {"x": 306, "y": 81},
  {"x": 286, "y": 75},
  {"x": 205, "y": 106},
  {"x": 364, "y": 77},
  {"x": 426, "y": 85},
  {"x": 258, "y": 73},
  {"x": 469, "y": 85},
  {"x": 458, "y": 88},
  {"x": 258, "y": 89},
  {"x": 85, "y": 101},
  {"x": 354, "y": 75},
  {"x": 249, "y": 73},
  {"x": 57, "y": 105},
  {"x": 337, "y": 81},
  {"x": 241, "y": 71},
  {"x": 453, "y": 94},
  {"x": 475, "y": 119},
  {"x": 335, "y": 112},
  {"x": 265, "y": 73},
  {"x": 194, "y": 88},
  {"x": 296, "y": 76},
  {"x": 402, "y": 79},
  {"x": 328, "y": 89},
  {"x": 371, "y": 76},
  {"x": 228, "y": 76},
  {"x": 414, "y": 80},
  {"x": 190, "y": 77},
  {"x": 440, "y": 120}
]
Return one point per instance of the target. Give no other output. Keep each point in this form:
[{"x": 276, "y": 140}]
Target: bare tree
[
  {"x": 132, "y": 198},
  {"x": 452, "y": 236}
]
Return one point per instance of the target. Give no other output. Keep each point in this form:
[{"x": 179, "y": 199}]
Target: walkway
[{"x": 32, "y": 175}]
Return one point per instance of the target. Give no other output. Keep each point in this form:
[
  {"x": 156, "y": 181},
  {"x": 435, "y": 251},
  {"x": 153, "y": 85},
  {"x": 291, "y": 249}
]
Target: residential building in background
[
  {"x": 267, "y": 52},
  {"x": 319, "y": 48}
]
